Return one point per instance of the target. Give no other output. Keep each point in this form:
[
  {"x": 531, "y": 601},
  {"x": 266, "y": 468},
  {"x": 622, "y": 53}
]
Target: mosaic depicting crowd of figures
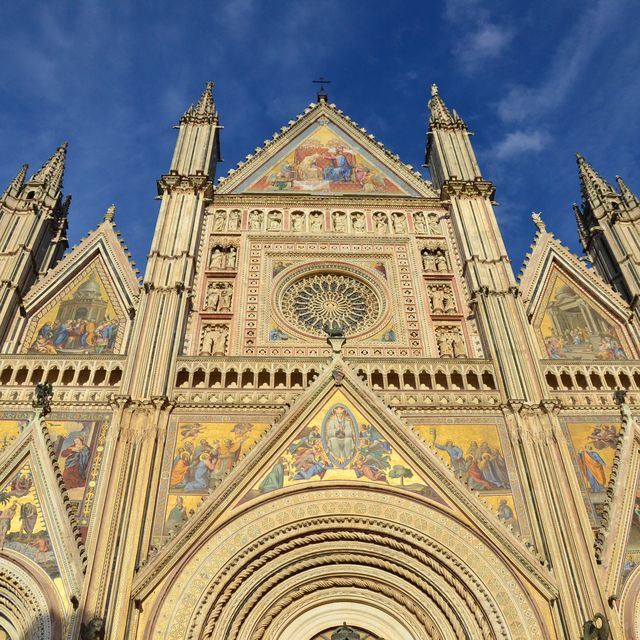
[
  {"x": 572, "y": 328},
  {"x": 79, "y": 446},
  {"x": 82, "y": 321},
  {"x": 339, "y": 443},
  {"x": 325, "y": 160},
  {"x": 203, "y": 454},
  {"x": 22, "y": 524},
  {"x": 475, "y": 454}
]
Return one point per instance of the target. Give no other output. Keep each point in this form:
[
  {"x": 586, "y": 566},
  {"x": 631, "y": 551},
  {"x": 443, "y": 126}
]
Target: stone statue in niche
[
  {"x": 212, "y": 299},
  {"x": 214, "y": 340},
  {"x": 443, "y": 339},
  {"x": 434, "y": 224},
  {"x": 274, "y": 221},
  {"x": 441, "y": 261},
  {"x": 255, "y": 220},
  {"x": 219, "y": 219},
  {"x": 428, "y": 260},
  {"x": 206, "y": 343},
  {"x": 339, "y": 222},
  {"x": 457, "y": 344},
  {"x": 232, "y": 258},
  {"x": 297, "y": 221},
  {"x": 441, "y": 297},
  {"x": 315, "y": 221},
  {"x": 381, "y": 223},
  {"x": 450, "y": 342},
  {"x": 234, "y": 220},
  {"x": 219, "y": 334},
  {"x": 437, "y": 300},
  {"x": 216, "y": 260},
  {"x": 418, "y": 222},
  {"x": 399, "y": 224},
  {"x": 358, "y": 222},
  {"x": 226, "y": 295}
]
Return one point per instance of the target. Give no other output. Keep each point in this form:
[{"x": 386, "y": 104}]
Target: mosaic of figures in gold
[
  {"x": 10, "y": 429},
  {"x": 79, "y": 445},
  {"x": 83, "y": 321},
  {"x": 594, "y": 446},
  {"x": 203, "y": 454},
  {"x": 340, "y": 443},
  {"x": 475, "y": 454},
  {"x": 632, "y": 551},
  {"x": 326, "y": 161},
  {"x": 22, "y": 525},
  {"x": 572, "y": 328}
]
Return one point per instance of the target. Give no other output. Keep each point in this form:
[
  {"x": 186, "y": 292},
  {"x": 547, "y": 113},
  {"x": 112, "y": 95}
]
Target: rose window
[{"x": 323, "y": 303}]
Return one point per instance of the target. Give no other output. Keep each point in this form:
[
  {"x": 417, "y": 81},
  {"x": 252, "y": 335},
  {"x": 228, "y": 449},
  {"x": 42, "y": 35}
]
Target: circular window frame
[{"x": 294, "y": 274}]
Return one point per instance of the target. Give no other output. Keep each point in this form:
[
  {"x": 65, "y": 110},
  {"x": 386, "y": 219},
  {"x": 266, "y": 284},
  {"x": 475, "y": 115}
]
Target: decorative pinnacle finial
[
  {"x": 536, "y": 216},
  {"x": 434, "y": 89},
  {"x": 110, "y": 214},
  {"x": 322, "y": 94}
]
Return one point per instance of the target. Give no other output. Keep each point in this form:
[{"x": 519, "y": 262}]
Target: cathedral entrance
[
  {"x": 346, "y": 632},
  {"x": 364, "y": 622}
]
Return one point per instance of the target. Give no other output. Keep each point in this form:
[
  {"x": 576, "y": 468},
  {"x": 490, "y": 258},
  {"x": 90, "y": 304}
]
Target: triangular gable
[
  {"x": 22, "y": 523},
  {"x": 84, "y": 304},
  {"x": 575, "y": 314},
  {"x": 325, "y": 153},
  {"x": 36, "y": 522},
  {"x": 237, "y": 493},
  {"x": 341, "y": 443},
  {"x": 617, "y": 543}
]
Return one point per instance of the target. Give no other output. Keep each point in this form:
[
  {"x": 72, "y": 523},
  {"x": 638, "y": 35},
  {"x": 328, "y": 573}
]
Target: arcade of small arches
[{"x": 385, "y": 376}]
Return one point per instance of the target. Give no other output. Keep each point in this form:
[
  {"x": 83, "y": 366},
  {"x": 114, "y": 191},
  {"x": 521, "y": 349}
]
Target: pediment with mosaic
[
  {"x": 570, "y": 325},
  {"x": 85, "y": 317},
  {"x": 340, "y": 443},
  {"x": 324, "y": 159}
]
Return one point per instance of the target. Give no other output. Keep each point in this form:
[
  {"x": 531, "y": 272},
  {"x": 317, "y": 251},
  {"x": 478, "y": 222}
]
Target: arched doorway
[
  {"x": 29, "y": 609},
  {"x": 300, "y": 563}
]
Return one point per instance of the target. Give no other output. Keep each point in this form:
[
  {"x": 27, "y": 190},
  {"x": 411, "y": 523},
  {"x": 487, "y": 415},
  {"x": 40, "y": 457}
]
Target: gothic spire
[
  {"x": 52, "y": 170},
  {"x": 16, "y": 184},
  {"x": 440, "y": 114},
  {"x": 592, "y": 184},
  {"x": 630, "y": 198},
  {"x": 204, "y": 111}
]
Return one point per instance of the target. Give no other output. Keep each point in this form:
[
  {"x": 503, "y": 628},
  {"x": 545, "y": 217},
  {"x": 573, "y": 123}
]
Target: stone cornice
[
  {"x": 300, "y": 200},
  {"x": 194, "y": 183}
]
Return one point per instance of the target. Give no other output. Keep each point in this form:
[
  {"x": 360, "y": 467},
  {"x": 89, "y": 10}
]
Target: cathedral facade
[{"x": 328, "y": 410}]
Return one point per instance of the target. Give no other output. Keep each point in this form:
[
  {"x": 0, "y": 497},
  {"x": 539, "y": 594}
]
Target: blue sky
[{"x": 535, "y": 82}]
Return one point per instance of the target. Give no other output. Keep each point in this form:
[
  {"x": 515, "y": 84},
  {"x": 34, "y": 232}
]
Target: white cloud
[
  {"x": 518, "y": 142},
  {"x": 569, "y": 61},
  {"x": 486, "y": 42},
  {"x": 479, "y": 38}
]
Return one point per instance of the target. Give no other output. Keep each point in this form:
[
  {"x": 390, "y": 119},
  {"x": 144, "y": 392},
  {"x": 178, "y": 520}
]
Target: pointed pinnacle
[
  {"x": 205, "y": 110},
  {"x": 440, "y": 115},
  {"x": 630, "y": 198},
  {"x": 16, "y": 184},
  {"x": 52, "y": 170},
  {"x": 592, "y": 184},
  {"x": 110, "y": 214}
]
